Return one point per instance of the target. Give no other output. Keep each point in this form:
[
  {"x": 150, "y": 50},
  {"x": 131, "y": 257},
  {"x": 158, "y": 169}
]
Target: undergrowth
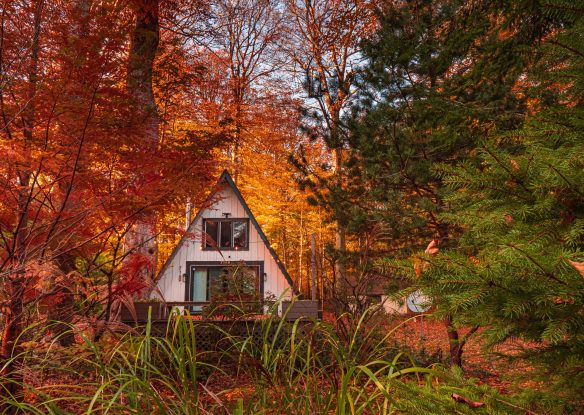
[{"x": 276, "y": 368}]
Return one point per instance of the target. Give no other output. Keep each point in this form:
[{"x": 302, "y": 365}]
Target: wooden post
[
  {"x": 189, "y": 209},
  {"x": 300, "y": 253},
  {"x": 313, "y": 266}
]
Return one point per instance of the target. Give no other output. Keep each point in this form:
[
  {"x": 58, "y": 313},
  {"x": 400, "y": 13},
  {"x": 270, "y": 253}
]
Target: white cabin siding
[{"x": 171, "y": 284}]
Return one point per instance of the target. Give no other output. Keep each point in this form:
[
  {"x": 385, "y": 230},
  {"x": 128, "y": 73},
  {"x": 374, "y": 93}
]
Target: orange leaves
[
  {"x": 578, "y": 266},
  {"x": 560, "y": 300},
  {"x": 432, "y": 247},
  {"x": 421, "y": 265},
  {"x": 474, "y": 260}
]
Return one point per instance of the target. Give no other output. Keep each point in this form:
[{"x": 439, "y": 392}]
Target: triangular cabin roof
[{"x": 226, "y": 178}]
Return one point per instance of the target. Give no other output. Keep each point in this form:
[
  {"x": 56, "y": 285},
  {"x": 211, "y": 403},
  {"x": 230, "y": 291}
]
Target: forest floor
[
  {"x": 487, "y": 368},
  {"x": 494, "y": 368}
]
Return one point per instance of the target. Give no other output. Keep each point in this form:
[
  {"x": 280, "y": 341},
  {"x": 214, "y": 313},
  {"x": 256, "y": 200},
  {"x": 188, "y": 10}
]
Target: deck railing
[
  {"x": 218, "y": 308},
  {"x": 161, "y": 311}
]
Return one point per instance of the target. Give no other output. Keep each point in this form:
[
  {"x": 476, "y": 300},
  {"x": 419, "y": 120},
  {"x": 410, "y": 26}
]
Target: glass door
[{"x": 199, "y": 287}]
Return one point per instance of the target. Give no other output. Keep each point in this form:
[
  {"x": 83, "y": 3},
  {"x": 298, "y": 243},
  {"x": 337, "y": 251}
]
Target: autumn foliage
[{"x": 378, "y": 128}]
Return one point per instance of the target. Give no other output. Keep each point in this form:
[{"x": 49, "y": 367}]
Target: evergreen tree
[
  {"x": 518, "y": 268},
  {"x": 443, "y": 76}
]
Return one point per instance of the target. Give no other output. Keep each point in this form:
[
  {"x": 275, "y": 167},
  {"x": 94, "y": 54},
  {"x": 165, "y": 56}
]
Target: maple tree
[
  {"x": 47, "y": 124},
  {"x": 76, "y": 175}
]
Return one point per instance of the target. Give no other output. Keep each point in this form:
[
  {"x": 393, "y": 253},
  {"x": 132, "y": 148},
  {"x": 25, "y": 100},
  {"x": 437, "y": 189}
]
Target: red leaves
[{"x": 133, "y": 275}]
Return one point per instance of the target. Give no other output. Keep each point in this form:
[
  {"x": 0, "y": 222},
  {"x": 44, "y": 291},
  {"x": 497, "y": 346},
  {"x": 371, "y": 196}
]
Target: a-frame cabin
[{"x": 223, "y": 237}]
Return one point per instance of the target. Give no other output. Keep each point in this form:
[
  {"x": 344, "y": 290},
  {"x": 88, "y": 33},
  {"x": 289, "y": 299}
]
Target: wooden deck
[{"x": 214, "y": 332}]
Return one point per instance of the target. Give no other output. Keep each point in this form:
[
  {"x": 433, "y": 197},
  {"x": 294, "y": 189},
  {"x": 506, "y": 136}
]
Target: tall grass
[{"x": 273, "y": 368}]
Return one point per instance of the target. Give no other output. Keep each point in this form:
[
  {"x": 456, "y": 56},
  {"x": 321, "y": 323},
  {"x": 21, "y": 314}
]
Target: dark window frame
[
  {"x": 225, "y": 248},
  {"x": 207, "y": 264}
]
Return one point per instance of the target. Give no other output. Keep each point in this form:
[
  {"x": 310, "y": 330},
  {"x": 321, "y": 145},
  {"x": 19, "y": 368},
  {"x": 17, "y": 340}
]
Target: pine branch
[{"x": 532, "y": 260}]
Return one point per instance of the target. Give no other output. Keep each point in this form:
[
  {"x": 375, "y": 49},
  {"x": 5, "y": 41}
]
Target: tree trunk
[
  {"x": 144, "y": 45},
  {"x": 456, "y": 345},
  {"x": 340, "y": 241},
  {"x": 62, "y": 312},
  {"x": 284, "y": 241},
  {"x": 235, "y": 157},
  {"x": 13, "y": 326},
  {"x": 301, "y": 248}
]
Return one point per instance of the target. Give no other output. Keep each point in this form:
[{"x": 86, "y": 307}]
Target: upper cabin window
[{"x": 226, "y": 234}]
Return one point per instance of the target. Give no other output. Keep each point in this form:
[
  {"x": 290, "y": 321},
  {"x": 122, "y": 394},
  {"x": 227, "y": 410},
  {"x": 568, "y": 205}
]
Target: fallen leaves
[{"x": 469, "y": 402}]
